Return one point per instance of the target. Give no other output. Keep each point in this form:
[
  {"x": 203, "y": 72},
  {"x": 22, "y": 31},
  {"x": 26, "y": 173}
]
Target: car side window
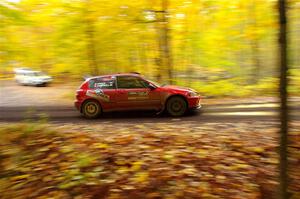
[
  {"x": 102, "y": 83},
  {"x": 127, "y": 82}
]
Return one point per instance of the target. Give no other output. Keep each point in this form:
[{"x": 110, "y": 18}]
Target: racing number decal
[
  {"x": 133, "y": 95},
  {"x": 99, "y": 94}
]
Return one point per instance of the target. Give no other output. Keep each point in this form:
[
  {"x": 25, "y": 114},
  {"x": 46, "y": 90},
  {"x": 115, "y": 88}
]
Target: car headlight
[{"x": 193, "y": 94}]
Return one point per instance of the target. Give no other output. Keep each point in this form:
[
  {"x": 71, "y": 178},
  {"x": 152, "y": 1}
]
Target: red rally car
[{"x": 130, "y": 91}]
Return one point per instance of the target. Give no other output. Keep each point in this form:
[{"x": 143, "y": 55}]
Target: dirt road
[{"x": 18, "y": 103}]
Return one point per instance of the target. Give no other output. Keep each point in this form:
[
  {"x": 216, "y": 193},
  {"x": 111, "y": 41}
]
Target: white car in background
[{"x": 26, "y": 76}]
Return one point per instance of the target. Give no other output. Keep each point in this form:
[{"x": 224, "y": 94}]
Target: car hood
[{"x": 178, "y": 88}]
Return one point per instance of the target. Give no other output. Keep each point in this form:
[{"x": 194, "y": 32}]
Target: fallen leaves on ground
[{"x": 143, "y": 161}]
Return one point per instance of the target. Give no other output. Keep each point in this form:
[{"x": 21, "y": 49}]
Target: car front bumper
[
  {"x": 199, "y": 106},
  {"x": 194, "y": 102}
]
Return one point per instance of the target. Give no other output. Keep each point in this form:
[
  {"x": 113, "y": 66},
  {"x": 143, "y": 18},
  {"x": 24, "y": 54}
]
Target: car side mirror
[{"x": 151, "y": 86}]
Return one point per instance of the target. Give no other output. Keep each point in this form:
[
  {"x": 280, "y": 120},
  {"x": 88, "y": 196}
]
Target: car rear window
[{"x": 102, "y": 83}]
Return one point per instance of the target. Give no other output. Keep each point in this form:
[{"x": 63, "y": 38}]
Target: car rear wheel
[
  {"x": 91, "y": 109},
  {"x": 176, "y": 106}
]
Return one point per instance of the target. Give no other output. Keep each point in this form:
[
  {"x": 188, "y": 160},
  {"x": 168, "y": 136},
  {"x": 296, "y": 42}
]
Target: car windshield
[
  {"x": 155, "y": 83},
  {"x": 38, "y": 74}
]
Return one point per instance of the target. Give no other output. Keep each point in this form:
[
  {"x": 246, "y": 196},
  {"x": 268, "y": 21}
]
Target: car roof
[
  {"x": 25, "y": 70},
  {"x": 116, "y": 74}
]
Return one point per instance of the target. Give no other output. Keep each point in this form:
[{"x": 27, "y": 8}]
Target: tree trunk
[
  {"x": 90, "y": 39},
  {"x": 166, "y": 41},
  {"x": 165, "y": 60},
  {"x": 256, "y": 61},
  {"x": 254, "y": 44},
  {"x": 283, "y": 178},
  {"x": 91, "y": 48},
  {"x": 159, "y": 59}
]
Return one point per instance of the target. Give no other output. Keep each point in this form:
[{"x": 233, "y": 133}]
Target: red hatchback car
[{"x": 131, "y": 91}]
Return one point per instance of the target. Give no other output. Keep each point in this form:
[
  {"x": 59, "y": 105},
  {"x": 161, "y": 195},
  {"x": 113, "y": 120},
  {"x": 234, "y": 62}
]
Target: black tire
[
  {"x": 42, "y": 85},
  {"x": 91, "y": 109},
  {"x": 176, "y": 106}
]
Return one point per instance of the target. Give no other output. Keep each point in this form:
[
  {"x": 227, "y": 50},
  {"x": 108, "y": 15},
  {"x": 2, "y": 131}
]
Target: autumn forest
[{"x": 216, "y": 47}]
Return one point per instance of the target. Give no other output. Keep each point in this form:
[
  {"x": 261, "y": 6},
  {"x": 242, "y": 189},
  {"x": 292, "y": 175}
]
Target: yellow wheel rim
[{"x": 91, "y": 108}]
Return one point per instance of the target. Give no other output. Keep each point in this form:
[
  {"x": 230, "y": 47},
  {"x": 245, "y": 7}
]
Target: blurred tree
[
  {"x": 89, "y": 22},
  {"x": 254, "y": 43},
  {"x": 9, "y": 15},
  {"x": 284, "y": 116},
  {"x": 165, "y": 47}
]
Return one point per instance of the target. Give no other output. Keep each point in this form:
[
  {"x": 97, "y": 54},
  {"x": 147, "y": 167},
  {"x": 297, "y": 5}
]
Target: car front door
[{"x": 134, "y": 93}]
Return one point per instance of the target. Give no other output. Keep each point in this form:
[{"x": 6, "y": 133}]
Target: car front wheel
[
  {"x": 91, "y": 109},
  {"x": 176, "y": 106}
]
